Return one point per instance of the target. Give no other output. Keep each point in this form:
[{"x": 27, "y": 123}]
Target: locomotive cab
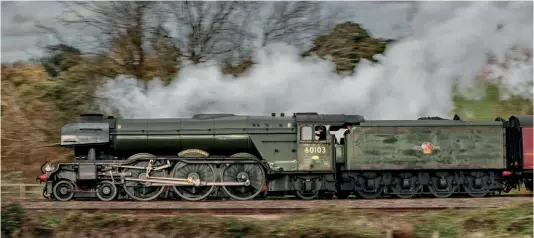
[
  {"x": 321, "y": 152},
  {"x": 315, "y": 153}
]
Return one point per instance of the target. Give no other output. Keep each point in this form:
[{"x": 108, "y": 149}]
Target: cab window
[
  {"x": 306, "y": 133},
  {"x": 320, "y": 132}
]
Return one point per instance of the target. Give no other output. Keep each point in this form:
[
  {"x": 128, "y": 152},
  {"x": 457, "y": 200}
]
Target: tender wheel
[
  {"x": 194, "y": 172},
  {"x": 63, "y": 190},
  {"x": 406, "y": 185},
  {"x": 106, "y": 191},
  {"x": 143, "y": 191},
  {"x": 242, "y": 173},
  {"x": 477, "y": 184},
  {"x": 442, "y": 185}
]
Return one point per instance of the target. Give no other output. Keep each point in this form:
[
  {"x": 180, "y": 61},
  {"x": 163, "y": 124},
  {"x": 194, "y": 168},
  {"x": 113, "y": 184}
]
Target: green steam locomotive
[{"x": 308, "y": 155}]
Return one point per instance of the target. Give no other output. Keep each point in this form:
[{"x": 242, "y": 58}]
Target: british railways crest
[{"x": 427, "y": 148}]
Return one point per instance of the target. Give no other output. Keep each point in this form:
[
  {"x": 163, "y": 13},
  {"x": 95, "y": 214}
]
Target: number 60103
[{"x": 315, "y": 149}]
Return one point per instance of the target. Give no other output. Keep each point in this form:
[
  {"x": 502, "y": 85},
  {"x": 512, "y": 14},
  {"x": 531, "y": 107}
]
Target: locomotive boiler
[{"x": 247, "y": 157}]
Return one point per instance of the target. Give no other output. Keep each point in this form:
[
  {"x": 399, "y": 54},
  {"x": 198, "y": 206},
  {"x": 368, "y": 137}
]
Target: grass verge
[{"x": 515, "y": 221}]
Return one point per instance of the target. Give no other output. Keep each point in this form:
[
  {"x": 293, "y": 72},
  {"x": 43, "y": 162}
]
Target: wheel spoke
[
  {"x": 142, "y": 191},
  {"x": 202, "y": 172},
  {"x": 241, "y": 173}
]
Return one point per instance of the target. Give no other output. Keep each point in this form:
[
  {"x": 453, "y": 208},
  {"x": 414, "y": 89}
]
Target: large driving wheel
[
  {"x": 263, "y": 194},
  {"x": 143, "y": 191},
  {"x": 241, "y": 173},
  {"x": 194, "y": 173}
]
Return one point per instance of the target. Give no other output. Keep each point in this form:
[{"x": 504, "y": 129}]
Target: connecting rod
[{"x": 184, "y": 182}]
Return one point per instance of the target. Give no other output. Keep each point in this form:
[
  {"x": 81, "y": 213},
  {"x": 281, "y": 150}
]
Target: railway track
[{"x": 273, "y": 206}]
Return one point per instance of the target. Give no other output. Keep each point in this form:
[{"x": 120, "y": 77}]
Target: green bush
[{"x": 11, "y": 218}]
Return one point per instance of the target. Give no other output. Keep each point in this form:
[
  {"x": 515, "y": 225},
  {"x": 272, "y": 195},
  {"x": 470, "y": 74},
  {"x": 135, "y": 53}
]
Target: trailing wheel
[
  {"x": 308, "y": 188},
  {"x": 442, "y": 185},
  {"x": 477, "y": 184},
  {"x": 194, "y": 173},
  {"x": 143, "y": 191},
  {"x": 370, "y": 185},
  {"x": 253, "y": 173},
  {"x": 64, "y": 190},
  {"x": 106, "y": 191},
  {"x": 406, "y": 185}
]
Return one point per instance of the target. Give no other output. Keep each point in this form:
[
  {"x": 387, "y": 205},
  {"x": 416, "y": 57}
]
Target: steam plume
[{"x": 448, "y": 47}]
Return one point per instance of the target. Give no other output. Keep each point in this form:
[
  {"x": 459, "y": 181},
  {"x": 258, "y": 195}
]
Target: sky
[{"x": 22, "y": 40}]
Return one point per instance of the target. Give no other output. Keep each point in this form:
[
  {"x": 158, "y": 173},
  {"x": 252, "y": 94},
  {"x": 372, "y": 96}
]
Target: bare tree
[
  {"x": 215, "y": 30},
  {"x": 121, "y": 29},
  {"x": 294, "y": 23},
  {"x": 207, "y": 30},
  {"x": 195, "y": 31},
  {"x": 164, "y": 54}
]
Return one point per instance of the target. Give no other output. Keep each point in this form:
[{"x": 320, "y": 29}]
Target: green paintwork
[
  {"x": 371, "y": 145},
  {"x": 260, "y": 136},
  {"x": 340, "y": 154},
  {"x": 271, "y": 138},
  {"x": 315, "y": 156},
  {"x": 398, "y": 145}
]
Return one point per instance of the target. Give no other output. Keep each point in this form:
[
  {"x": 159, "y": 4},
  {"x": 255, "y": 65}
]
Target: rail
[{"x": 22, "y": 192}]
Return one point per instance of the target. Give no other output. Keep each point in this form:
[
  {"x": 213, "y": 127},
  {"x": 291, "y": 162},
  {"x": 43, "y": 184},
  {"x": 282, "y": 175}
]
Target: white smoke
[{"x": 448, "y": 47}]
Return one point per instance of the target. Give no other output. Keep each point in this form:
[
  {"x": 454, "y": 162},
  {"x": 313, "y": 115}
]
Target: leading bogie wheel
[
  {"x": 64, "y": 190},
  {"x": 106, "y": 191}
]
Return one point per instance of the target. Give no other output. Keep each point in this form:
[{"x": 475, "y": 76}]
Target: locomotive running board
[{"x": 158, "y": 181}]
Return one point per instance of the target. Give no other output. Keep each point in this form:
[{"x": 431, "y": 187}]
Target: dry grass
[
  {"x": 28, "y": 120},
  {"x": 515, "y": 221}
]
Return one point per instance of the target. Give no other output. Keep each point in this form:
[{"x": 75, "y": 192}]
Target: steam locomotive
[{"x": 307, "y": 155}]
